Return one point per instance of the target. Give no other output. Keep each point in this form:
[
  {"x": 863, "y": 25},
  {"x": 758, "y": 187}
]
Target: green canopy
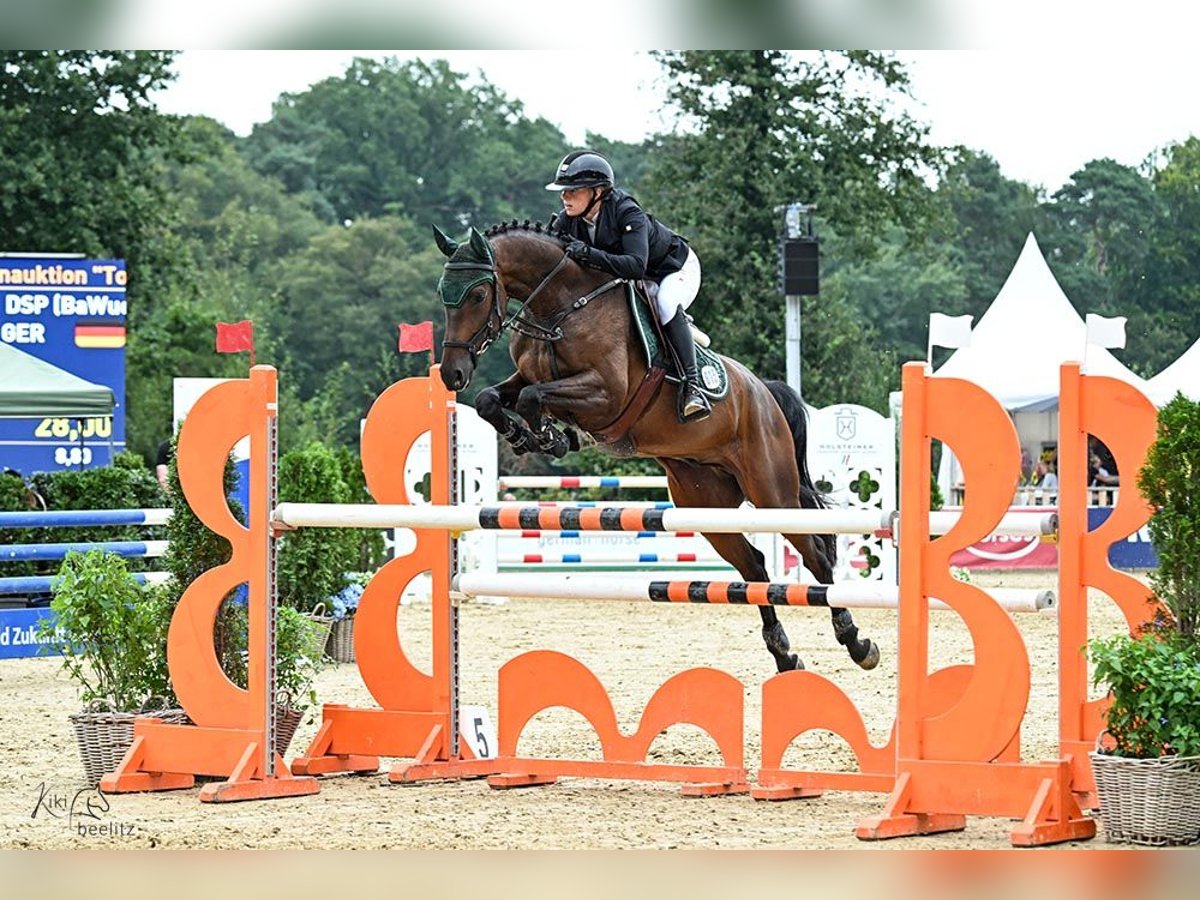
[{"x": 32, "y": 388}]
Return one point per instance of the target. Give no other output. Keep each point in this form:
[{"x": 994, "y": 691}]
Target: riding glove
[{"x": 579, "y": 251}]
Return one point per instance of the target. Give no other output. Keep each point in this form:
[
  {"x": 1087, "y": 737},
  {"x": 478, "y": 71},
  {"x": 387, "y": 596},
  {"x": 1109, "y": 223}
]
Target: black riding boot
[{"x": 693, "y": 404}]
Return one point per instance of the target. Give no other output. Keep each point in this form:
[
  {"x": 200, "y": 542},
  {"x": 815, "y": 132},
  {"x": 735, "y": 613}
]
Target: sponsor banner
[
  {"x": 1134, "y": 552},
  {"x": 1009, "y": 551},
  {"x": 19, "y": 632},
  {"x": 70, "y": 313},
  {"x": 1001, "y": 551}
]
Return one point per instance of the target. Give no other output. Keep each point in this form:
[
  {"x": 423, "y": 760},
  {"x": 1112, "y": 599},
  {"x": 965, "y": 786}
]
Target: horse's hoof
[
  {"x": 871, "y": 660},
  {"x": 789, "y": 663}
]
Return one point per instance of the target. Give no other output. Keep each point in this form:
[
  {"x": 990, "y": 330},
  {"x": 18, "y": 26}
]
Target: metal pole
[{"x": 792, "y": 341}]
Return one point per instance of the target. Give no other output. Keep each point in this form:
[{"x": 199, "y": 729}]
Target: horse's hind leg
[
  {"x": 777, "y": 487},
  {"x": 695, "y": 485},
  {"x": 812, "y": 550}
]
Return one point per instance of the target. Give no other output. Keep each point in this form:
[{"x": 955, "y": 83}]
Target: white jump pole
[
  {"x": 715, "y": 520},
  {"x": 846, "y": 595}
]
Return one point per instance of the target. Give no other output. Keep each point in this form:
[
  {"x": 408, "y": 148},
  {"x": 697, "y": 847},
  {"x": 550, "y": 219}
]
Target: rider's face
[{"x": 576, "y": 200}]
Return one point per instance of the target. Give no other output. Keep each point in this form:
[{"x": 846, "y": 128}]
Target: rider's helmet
[{"x": 582, "y": 169}]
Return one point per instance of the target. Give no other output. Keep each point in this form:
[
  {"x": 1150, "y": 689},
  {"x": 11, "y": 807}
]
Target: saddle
[{"x": 714, "y": 380}]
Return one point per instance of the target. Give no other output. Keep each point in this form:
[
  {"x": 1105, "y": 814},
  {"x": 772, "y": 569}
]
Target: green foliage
[
  {"x": 774, "y": 128},
  {"x": 984, "y": 221},
  {"x": 339, "y": 302},
  {"x": 192, "y": 547},
  {"x": 81, "y": 147},
  {"x": 936, "y": 500},
  {"x": 313, "y": 562},
  {"x": 1170, "y": 482},
  {"x": 1155, "y": 684},
  {"x": 1154, "y": 676},
  {"x": 299, "y": 651},
  {"x": 111, "y": 632},
  {"x": 16, "y": 496},
  {"x": 408, "y": 138},
  {"x": 371, "y": 550},
  {"x": 127, "y": 484}
]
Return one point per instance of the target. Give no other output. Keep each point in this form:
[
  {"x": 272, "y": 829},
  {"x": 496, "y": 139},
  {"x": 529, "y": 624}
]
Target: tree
[
  {"x": 1167, "y": 316},
  {"x": 409, "y": 139},
  {"x": 340, "y": 299},
  {"x": 987, "y": 218},
  {"x": 771, "y": 128},
  {"x": 1105, "y": 214},
  {"x": 895, "y": 292},
  {"x": 82, "y": 148}
]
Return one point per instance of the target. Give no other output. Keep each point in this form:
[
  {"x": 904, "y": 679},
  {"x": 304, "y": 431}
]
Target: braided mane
[{"x": 527, "y": 226}]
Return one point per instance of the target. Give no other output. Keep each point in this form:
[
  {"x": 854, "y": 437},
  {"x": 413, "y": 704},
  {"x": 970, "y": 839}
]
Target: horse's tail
[{"x": 797, "y": 418}]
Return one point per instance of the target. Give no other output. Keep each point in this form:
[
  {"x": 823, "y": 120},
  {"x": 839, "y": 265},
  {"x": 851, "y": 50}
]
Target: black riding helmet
[{"x": 582, "y": 169}]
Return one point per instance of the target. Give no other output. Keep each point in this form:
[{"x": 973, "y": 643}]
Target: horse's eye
[{"x": 480, "y": 295}]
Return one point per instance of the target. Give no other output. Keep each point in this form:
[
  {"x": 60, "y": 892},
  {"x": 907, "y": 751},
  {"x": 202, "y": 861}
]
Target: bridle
[
  {"x": 477, "y": 345},
  {"x": 487, "y": 333}
]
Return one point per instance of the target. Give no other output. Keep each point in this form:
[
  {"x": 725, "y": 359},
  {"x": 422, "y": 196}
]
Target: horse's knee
[
  {"x": 529, "y": 405},
  {"x": 488, "y": 405}
]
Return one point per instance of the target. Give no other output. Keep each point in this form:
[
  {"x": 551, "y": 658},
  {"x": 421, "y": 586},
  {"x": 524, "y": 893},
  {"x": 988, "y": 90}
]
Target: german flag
[{"x": 95, "y": 335}]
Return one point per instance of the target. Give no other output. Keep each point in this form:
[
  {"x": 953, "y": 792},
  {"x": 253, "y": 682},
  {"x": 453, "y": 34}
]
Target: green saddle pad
[{"x": 714, "y": 379}]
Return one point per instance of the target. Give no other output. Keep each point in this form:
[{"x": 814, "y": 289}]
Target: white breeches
[{"x": 679, "y": 289}]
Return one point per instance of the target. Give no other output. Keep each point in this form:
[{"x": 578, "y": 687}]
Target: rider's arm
[{"x": 634, "y": 227}]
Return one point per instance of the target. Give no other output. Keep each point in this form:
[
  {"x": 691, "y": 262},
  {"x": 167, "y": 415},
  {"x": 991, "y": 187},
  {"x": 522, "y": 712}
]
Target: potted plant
[
  {"x": 344, "y": 604},
  {"x": 112, "y": 634},
  {"x": 299, "y": 656},
  {"x": 1148, "y": 774}
]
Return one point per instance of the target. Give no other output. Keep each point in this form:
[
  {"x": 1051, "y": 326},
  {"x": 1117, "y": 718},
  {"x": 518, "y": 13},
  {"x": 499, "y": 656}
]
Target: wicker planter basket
[
  {"x": 1149, "y": 801},
  {"x": 104, "y": 737},
  {"x": 287, "y": 720},
  {"x": 340, "y": 647},
  {"x": 321, "y": 625}
]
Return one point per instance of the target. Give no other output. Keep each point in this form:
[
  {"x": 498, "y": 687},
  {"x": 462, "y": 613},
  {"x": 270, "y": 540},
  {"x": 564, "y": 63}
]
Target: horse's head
[{"x": 471, "y": 293}]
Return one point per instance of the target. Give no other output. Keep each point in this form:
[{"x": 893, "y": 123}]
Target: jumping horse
[{"x": 576, "y": 360}]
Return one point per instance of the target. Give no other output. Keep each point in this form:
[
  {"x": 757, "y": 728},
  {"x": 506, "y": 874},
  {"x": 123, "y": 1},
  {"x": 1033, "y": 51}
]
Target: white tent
[
  {"x": 1017, "y": 349},
  {"x": 1181, "y": 375},
  {"x": 1027, "y": 333}
]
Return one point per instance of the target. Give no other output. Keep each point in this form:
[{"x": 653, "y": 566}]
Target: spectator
[
  {"x": 1098, "y": 476},
  {"x": 1047, "y": 478},
  {"x": 162, "y": 463}
]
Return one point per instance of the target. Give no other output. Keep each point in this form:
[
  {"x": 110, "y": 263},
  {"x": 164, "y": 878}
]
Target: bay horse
[{"x": 576, "y": 362}]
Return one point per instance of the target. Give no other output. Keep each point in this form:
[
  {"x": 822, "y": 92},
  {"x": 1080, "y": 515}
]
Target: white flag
[
  {"x": 949, "y": 331},
  {"x": 1106, "y": 332}
]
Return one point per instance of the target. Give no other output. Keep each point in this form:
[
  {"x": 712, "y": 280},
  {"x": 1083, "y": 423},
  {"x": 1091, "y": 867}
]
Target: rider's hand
[{"x": 579, "y": 251}]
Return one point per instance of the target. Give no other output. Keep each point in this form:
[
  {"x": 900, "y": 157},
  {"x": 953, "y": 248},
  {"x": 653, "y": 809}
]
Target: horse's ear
[
  {"x": 480, "y": 245},
  {"x": 445, "y": 243}
]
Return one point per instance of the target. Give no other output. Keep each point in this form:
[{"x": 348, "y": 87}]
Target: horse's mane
[{"x": 527, "y": 226}]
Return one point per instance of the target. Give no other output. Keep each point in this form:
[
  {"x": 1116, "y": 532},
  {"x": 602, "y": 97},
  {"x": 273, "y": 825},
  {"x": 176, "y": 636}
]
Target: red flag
[
  {"x": 414, "y": 338},
  {"x": 236, "y": 337}
]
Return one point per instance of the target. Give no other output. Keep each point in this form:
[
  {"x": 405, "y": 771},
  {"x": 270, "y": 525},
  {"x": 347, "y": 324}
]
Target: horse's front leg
[
  {"x": 578, "y": 396},
  {"x": 495, "y": 406}
]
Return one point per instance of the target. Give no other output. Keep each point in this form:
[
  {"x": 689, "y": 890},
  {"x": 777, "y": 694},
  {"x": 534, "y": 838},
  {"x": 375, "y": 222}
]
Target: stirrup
[{"x": 693, "y": 405}]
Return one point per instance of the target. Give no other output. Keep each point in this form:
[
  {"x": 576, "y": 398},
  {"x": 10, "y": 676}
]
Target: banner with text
[
  {"x": 1006, "y": 551},
  {"x": 70, "y": 313}
]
